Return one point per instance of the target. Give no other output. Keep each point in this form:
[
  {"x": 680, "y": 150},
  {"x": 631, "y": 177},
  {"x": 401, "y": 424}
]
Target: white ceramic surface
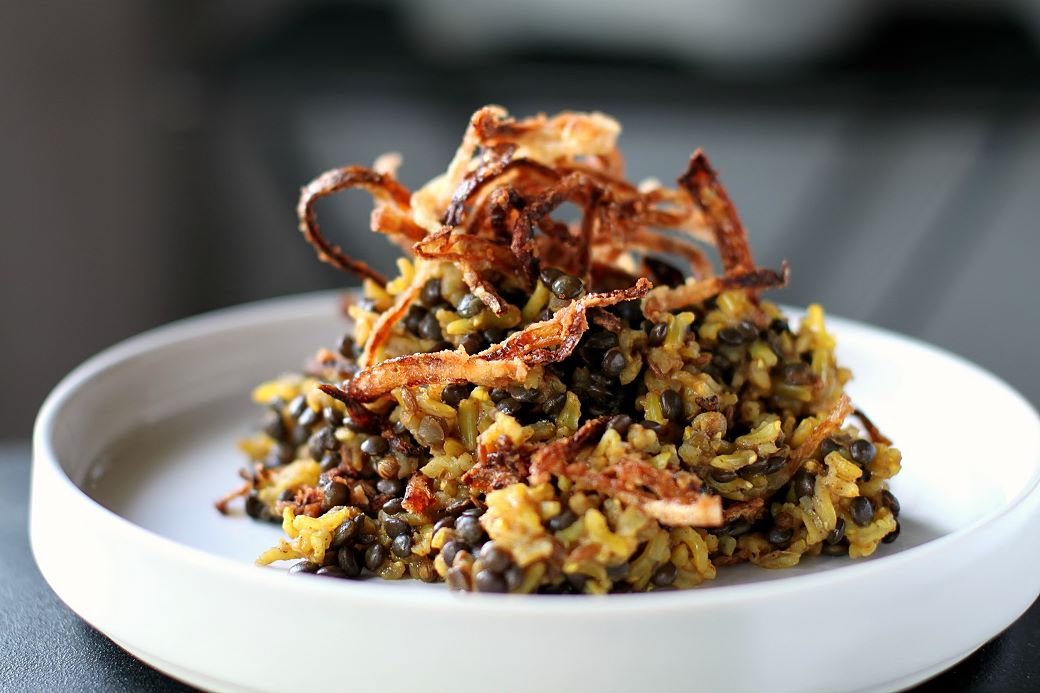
[{"x": 133, "y": 446}]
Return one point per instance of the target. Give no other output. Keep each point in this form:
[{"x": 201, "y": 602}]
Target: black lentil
[
  {"x": 862, "y": 451},
  {"x": 497, "y": 394},
  {"x": 546, "y": 314},
  {"x": 891, "y": 536},
  {"x": 487, "y": 581},
  {"x": 375, "y": 555},
  {"x": 274, "y": 426},
  {"x": 440, "y": 524},
  {"x": 298, "y": 437},
  {"x": 510, "y": 406},
  {"x": 514, "y": 577},
  {"x": 351, "y": 424},
  {"x": 737, "y": 528},
  {"x": 733, "y": 336},
  {"x": 297, "y": 406},
  {"x": 621, "y": 423},
  {"x": 450, "y": 550},
  {"x": 722, "y": 476},
  {"x": 470, "y": 306},
  {"x": 613, "y": 362},
  {"x": 402, "y": 546},
  {"x": 523, "y": 394},
  {"x": 347, "y": 531},
  {"x": 332, "y": 416},
  {"x": 334, "y": 493},
  {"x": 456, "y": 507},
  {"x": 753, "y": 469},
  {"x": 430, "y": 328},
  {"x": 562, "y": 521},
  {"x": 665, "y": 575},
  {"x": 347, "y": 347},
  {"x": 600, "y": 339},
  {"x": 321, "y": 441},
  {"x": 413, "y": 317},
  {"x": 347, "y": 559},
  {"x": 576, "y": 582},
  {"x": 797, "y": 373},
  {"x": 395, "y": 526},
  {"x": 431, "y": 292},
  {"x": 255, "y": 507},
  {"x": 455, "y": 393},
  {"x": 828, "y": 446},
  {"x": 494, "y": 335},
  {"x": 774, "y": 464},
  {"x": 778, "y": 536},
  {"x": 837, "y": 534},
  {"x": 548, "y": 275},
  {"x": 839, "y": 549},
  {"x": 473, "y": 343},
  {"x": 308, "y": 418},
  {"x": 862, "y": 511},
  {"x": 554, "y": 404},
  {"x": 468, "y": 529},
  {"x": 393, "y": 506},
  {"x": 889, "y": 501},
  {"x": 331, "y": 571},
  {"x": 617, "y": 572},
  {"x": 281, "y": 454},
  {"x": 303, "y": 568},
  {"x": 664, "y": 273},
  {"x": 374, "y": 445},
  {"x": 430, "y": 432},
  {"x": 804, "y": 484},
  {"x": 658, "y": 332},
  {"x": 566, "y": 286},
  {"x": 391, "y": 487},
  {"x": 671, "y": 405},
  {"x": 493, "y": 558}
]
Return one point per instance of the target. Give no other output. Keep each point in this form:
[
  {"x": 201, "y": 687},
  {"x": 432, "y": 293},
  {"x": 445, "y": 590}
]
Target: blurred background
[{"x": 153, "y": 150}]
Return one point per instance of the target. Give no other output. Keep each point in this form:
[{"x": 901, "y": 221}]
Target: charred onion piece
[
  {"x": 391, "y": 215},
  {"x": 538, "y": 344},
  {"x": 703, "y": 185},
  {"x": 672, "y": 498}
]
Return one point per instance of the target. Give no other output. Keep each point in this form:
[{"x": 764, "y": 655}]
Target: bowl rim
[{"x": 45, "y": 461}]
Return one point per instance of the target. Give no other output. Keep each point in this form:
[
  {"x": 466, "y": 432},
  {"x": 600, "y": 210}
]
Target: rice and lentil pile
[{"x": 533, "y": 406}]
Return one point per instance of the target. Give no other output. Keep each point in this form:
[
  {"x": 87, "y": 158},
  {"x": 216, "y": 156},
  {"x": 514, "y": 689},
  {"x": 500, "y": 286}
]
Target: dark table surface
[{"x": 45, "y": 647}]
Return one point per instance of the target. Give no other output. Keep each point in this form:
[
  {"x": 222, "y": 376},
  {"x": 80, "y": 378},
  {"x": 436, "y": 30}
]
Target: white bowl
[{"x": 132, "y": 447}]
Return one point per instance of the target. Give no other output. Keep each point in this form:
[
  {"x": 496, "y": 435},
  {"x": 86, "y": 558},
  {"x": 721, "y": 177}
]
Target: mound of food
[{"x": 537, "y": 406}]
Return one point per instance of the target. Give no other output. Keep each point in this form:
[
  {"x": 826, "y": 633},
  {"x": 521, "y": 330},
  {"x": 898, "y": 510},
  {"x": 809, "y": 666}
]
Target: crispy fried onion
[
  {"x": 391, "y": 215},
  {"x": 704, "y": 188},
  {"x": 538, "y": 344},
  {"x": 504, "y": 466},
  {"x": 664, "y": 299},
  {"x": 491, "y": 212},
  {"x": 876, "y": 435},
  {"x": 384, "y": 324},
  {"x": 673, "y": 498},
  {"x": 827, "y": 426},
  {"x": 418, "y": 495}
]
